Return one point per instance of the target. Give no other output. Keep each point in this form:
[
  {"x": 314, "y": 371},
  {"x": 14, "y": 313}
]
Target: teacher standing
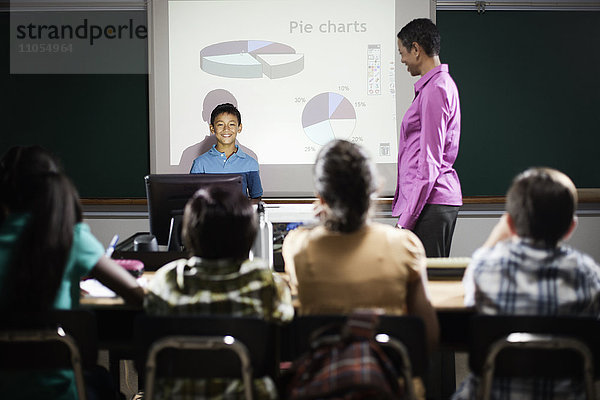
[{"x": 428, "y": 194}]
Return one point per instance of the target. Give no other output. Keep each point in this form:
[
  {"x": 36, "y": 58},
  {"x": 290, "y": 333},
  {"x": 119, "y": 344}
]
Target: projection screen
[{"x": 301, "y": 72}]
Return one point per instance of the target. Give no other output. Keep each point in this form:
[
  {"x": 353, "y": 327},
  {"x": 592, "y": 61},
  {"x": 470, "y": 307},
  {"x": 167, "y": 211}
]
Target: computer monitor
[{"x": 167, "y": 195}]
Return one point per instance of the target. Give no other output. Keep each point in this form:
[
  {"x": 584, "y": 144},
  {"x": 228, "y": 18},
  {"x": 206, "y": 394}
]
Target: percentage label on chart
[
  {"x": 356, "y": 139},
  {"x": 360, "y": 104},
  {"x": 309, "y": 149},
  {"x": 300, "y": 100},
  {"x": 344, "y": 88}
]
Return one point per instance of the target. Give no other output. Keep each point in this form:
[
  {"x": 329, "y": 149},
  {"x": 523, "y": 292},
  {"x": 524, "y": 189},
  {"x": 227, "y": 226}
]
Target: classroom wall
[
  {"x": 111, "y": 112},
  {"x": 472, "y": 227},
  {"x": 524, "y": 102}
]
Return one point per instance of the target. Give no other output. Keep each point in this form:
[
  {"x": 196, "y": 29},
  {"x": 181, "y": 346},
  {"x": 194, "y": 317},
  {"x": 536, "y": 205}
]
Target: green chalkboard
[
  {"x": 530, "y": 94},
  {"x": 96, "y": 124},
  {"x": 528, "y": 81}
]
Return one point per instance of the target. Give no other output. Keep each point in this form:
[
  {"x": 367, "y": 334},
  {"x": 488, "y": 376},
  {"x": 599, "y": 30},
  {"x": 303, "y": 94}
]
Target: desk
[
  {"x": 445, "y": 296},
  {"x": 115, "y": 319},
  {"x": 115, "y": 327}
]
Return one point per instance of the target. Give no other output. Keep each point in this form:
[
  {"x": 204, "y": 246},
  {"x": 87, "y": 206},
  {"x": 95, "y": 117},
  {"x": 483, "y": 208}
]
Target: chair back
[
  {"x": 408, "y": 330},
  {"x": 199, "y": 346},
  {"x": 404, "y": 344},
  {"x": 534, "y": 346},
  {"x": 57, "y": 339}
]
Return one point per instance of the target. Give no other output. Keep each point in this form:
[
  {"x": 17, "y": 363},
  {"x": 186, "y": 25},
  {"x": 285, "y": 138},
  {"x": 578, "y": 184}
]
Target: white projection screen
[{"x": 301, "y": 72}]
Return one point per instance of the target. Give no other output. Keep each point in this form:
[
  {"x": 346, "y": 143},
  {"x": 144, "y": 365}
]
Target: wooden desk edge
[
  {"x": 586, "y": 195},
  {"x": 445, "y": 295}
]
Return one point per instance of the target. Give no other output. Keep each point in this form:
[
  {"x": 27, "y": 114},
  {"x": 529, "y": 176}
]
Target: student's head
[
  {"x": 225, "y": 108},
  {"x": 219, "y": 223},
  {"x": 419, "y": 37},
  {"x": 345, "y": 180},
  {"x": 213, "y": 99},
  {"x": 225, "y": 123},
  {"x": 33, "y": 186},
  {"x": 18, "y": 166},
  {"x": 541, "y": 203}
]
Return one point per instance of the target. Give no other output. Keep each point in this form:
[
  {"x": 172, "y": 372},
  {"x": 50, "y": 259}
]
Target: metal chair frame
[
  {"x": 534, "y": 346},
  {"x": 385, "y": 341},
  {"x": 385, "y": 337},
  {"x": 246, "y": 347},
  {"x": 184, "y": 343},
  {"x": 524, "y": 340},
  {"x": 406, "y": 369},
  {"x": 50, "y": 336}
]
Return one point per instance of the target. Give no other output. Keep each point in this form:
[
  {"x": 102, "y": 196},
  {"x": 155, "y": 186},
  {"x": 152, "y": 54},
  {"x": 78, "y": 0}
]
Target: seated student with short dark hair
[
  {"x": 219, "y": 228},
  {"x": 524, "y": 269},
  {"x": 45, "y": 250},
  {"x": 226, "y": 157}
]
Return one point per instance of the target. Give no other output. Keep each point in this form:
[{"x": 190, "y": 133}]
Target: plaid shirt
[
  {"x": 519, "y": 278},
  {"x": 198, "y": 286}
]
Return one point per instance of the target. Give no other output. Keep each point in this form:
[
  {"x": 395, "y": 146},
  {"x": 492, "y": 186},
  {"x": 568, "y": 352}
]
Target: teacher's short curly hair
[{"x": 424, "y": 32}]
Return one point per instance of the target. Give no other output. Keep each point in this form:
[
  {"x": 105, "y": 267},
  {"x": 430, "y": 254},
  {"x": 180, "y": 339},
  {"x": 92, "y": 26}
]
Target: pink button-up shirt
[{"x": 429, "y": 137}]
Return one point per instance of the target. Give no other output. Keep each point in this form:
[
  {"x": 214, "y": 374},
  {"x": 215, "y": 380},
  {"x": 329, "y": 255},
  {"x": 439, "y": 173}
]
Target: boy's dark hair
[
  {"x": 345, "y": 178},
  {"x": 542, "y": 203},
  {"x": 424, "y": 32},
  {"x": 227, "y": 108},
  {"x": 219, "y": 223}
]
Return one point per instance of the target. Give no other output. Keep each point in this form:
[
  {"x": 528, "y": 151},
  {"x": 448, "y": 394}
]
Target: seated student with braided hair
[
  {"x": 349, "y": 262},
  {"x": 45, "y": 250}
]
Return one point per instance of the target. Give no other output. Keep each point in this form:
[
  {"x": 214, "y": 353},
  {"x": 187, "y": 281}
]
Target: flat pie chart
[
  {"x": 328, "y": 116},
  {"x": 251, "y": 59}
]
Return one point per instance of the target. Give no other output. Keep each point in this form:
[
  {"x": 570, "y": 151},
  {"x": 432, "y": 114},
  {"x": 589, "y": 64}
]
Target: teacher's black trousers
[{"x": 435, "y": 228}]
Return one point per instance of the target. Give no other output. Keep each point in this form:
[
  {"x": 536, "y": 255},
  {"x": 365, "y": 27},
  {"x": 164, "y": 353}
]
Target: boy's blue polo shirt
[{"x": 215, "y": 162}]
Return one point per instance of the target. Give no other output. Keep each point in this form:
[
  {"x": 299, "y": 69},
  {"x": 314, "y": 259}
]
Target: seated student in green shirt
[{"x": 45, "y": 250}]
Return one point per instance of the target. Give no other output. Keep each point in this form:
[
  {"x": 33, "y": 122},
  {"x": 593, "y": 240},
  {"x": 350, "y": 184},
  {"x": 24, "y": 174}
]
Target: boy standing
[
  {"x": 523, "y": 269},
  {"x": 226, "y": 157}
]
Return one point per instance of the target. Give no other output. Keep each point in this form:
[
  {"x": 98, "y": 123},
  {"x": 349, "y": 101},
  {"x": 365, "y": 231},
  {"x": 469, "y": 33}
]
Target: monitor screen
[{"x": 167, "y": 195}]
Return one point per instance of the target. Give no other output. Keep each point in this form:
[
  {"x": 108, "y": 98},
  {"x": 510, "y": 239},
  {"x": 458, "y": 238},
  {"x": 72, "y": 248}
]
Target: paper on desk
[{"x": 94, "y": 288}]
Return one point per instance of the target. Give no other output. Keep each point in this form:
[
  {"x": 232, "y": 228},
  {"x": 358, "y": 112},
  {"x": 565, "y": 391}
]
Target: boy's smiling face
[{"x": 226, "y": 127}]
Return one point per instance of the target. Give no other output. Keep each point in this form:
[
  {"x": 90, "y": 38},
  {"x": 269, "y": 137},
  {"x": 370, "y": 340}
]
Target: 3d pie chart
[
  {"x": 251, "y": 59},
  {"x": 328, "y": 116}
]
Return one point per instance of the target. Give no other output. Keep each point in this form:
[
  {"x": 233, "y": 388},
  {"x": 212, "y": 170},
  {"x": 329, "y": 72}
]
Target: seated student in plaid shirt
[
  {"x": 219, "y": 228},
  {"x": 523, "y": 268}
]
